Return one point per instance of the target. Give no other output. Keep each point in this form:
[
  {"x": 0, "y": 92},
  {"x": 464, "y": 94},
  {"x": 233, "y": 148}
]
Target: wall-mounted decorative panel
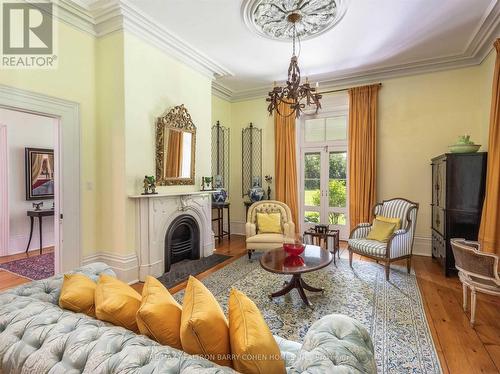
[
  {"x": 251, "y": 157},
  {"x": 220, "y": 153}
]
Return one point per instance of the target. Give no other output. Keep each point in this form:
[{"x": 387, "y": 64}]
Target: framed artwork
[{"x": 39, "y": 166}]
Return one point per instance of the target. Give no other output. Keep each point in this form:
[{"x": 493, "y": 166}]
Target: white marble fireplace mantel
[{"x": 155, "y": 213}]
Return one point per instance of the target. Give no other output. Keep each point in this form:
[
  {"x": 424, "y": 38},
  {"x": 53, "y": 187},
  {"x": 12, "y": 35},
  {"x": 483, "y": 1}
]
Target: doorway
[
  {"x": 324, "y": 171},
  {"x": 67, "y": 161},
  {"x": 29, "y": 167}
]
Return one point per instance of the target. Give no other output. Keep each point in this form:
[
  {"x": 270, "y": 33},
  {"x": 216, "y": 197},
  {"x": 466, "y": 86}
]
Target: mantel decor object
[
  {"x": 464, "y": 145},
  {"x": 149, "y": 184},
  {"x": 206, "y": 183},
  {"x": 38, "y": 206}
]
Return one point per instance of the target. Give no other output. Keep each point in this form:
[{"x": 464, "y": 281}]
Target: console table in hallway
[{"x": 39, "y": 214}]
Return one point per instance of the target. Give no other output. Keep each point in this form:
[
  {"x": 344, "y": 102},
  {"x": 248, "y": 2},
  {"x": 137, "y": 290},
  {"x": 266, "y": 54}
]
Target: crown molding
[
  {"x": 476, "y": 50},
  {"x": 107, "y": 16}
]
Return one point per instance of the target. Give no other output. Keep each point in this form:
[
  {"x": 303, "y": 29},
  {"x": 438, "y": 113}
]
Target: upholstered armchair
[
  {"x": 264, "y": 241},
  {"x": 477, "y": 270},
  {"x": 400, "y": 243}
]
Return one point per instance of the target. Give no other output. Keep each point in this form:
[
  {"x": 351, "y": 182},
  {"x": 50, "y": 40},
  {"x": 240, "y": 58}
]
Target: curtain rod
[{"x": 346, "y": 89}]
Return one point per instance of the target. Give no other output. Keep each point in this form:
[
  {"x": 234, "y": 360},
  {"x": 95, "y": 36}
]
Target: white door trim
[
  {"x": 4, "y": 192},
  {"x": 68, "y": 114}
]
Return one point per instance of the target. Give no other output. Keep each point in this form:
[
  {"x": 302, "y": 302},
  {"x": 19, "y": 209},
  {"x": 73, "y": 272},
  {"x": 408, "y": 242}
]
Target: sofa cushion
[
  {"x": 204, "y": 328},
  {"x": 370, "y": 247},
  {"x": 159, "y": 315},
  {"x": 253, "y": 346},
  {"x": 117, "y": 302},
  {"x": 49, "y": 289},
  {"x": 77, "y": 294}
]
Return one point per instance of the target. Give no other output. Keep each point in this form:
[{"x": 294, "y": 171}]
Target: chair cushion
[
  {"x": 77, "y": 294},
  {"x": 204, "y": 328},
  {"x": 267, "y": 238},
  {"x": 370, "y": 247},
  {"x": 269, "y": 223},
  {"x": 253, "y": 346},
  {"x": 159, "y": 316},
  {"x": 381, "y": 231},
  {"x": 117, "y": 302}
]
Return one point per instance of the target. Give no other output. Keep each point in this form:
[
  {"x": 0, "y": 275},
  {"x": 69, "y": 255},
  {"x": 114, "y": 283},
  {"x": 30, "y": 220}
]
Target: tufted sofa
[{"x": 36, "y": 336}]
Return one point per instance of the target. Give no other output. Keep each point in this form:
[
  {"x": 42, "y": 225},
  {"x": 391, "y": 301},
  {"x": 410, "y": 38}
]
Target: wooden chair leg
[
  {"x": 350, "y": 258},
  {"x": 472, "y": 306},
  {"x": 464, "y": 288},
  {"x": 387, "y": 270},
  {"x": 408, "y": 264}
]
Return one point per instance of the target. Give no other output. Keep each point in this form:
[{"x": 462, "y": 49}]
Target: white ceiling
[{"x": 374, "y": 34}]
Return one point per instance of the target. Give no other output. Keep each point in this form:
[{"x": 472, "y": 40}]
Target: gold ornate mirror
[{"x": 175, "y": 148}]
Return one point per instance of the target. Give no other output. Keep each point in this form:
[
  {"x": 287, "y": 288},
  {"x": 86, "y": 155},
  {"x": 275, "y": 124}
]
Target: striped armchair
[{"x": 400, "y": 244}]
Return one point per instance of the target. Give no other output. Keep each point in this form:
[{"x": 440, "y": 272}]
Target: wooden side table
[
  {"x": 221, "y": 233},
  {"x": 321, "y": 239},
  {"x": 39, "y": 214}
]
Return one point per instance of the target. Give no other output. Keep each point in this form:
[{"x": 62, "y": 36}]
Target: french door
[{"x": 324, "y": 174}]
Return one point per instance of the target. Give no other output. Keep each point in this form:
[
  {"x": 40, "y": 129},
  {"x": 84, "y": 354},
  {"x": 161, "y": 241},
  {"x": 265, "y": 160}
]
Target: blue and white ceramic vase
[
  {"x": 256, "y": 193},
  {"x": 219, "y": 196}
]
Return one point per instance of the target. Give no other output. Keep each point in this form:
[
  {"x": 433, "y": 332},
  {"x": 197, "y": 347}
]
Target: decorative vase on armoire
[{"x": 458, "y": 185}]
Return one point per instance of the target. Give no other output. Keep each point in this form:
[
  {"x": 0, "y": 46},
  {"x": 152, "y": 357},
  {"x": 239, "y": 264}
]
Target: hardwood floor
[
  {"x": 9, "y": 280},
  {"x": 461, "y": 349}
]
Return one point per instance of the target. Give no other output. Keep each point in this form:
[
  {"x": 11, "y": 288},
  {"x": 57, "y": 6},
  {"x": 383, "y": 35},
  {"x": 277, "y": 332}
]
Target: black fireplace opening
[{"x": 182, "y": 241}]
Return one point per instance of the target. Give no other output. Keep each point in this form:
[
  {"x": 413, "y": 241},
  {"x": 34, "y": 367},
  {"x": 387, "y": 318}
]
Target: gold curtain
[
  {"x": 285, "y": 160},
  {"x": 362, "y": 152},
  {"x": 174, "y": 154},
  {"x": 489, "y": 231}
]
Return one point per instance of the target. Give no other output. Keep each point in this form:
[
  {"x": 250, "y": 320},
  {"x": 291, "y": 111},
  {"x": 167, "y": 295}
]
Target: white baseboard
[
  {"x": 126, "y": 267},
  {"x": 17, "y": 243},
  {"x": 238, "y": 228},
  {"x": 422, "y": 246}
]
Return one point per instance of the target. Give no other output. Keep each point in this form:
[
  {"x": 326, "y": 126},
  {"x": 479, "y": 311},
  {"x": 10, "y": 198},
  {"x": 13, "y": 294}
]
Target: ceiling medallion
[{"x": 270, "y": 18}]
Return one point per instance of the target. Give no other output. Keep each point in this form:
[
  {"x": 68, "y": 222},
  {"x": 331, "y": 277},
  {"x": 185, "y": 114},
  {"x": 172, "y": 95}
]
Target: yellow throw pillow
[
  {"x": 77, "y": 294},
  {"x": 116, "y": 302},
  {"x": 253, "y": 346},
  {"x": 159, "y": 316},
  {"x": 204, "y": 328},
  {"x": 381, "y": 231},
  {"x": 397, "y": 221},
  {"x": 269, "y": 223}
]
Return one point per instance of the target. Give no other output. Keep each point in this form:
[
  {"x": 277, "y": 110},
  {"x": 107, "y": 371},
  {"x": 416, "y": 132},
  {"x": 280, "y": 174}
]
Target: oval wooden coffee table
[{"x": 278, "y": 261}]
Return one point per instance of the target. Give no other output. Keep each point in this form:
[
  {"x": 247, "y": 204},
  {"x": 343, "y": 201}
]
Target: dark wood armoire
[{"x": 458, "y": 184}]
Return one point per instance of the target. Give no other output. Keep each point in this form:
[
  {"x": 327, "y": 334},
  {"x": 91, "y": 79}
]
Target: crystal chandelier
[{"x": 297, "y": 96}]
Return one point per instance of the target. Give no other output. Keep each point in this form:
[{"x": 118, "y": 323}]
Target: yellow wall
[
  {"x": 110, "y": 118},
  {"x": 149, "y": 93},
  {"x": 73, "y": 80},
  {"x": 419, "y": 116}
]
